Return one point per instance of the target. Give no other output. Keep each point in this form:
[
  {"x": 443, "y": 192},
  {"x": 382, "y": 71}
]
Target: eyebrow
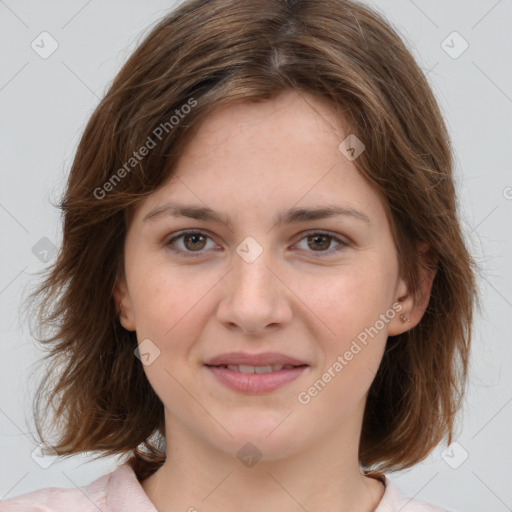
[{"x": 291, "y": 216}]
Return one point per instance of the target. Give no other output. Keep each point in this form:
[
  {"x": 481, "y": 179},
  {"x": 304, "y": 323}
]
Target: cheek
[
  {"x": 355, "y": 306},
  {"x": 168, "y": 312},
  {"x": 170, "y": 304},
  {"x": 156, "y": 287},
  {"x": 154, "y": 295},
  {"x": 351, "y": 299},
  {"x": 352, "y": 356}
]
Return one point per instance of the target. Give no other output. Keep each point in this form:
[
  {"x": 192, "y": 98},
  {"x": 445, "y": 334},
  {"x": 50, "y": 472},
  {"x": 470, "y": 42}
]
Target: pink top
[{"x": 120, "y": 491}]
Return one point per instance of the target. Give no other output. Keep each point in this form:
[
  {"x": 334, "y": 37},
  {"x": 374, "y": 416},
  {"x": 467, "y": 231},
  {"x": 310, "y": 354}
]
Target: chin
[{"x": 261, "y": 438}]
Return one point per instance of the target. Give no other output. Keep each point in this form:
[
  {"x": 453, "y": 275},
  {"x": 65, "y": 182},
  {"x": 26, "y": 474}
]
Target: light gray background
[{"x": 44, "y": 107}]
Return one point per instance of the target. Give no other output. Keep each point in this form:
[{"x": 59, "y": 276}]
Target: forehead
[
  {"x": 264, "y": 156},
  {"x": 296, "y": 116}
]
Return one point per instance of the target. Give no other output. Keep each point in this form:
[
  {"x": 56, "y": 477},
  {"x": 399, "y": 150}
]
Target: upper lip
[{"x": 261, "y": 359}]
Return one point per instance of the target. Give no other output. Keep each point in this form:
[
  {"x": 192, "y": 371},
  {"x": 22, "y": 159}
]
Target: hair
[{"x": 201, "y": 56}]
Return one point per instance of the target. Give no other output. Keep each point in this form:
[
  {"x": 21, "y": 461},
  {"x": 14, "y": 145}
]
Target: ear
[
  {"x": 123, "y": 305},
  {"x": 411, "y": 311}
]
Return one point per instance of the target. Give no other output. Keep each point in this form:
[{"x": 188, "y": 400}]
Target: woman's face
[{"x": 310, "y": 289}]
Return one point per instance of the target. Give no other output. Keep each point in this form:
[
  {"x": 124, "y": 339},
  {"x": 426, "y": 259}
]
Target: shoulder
[
  {"x": 110, "y": 493},
  {"x": 393, "y": 500},
  {"x": 57, "y": 499}
]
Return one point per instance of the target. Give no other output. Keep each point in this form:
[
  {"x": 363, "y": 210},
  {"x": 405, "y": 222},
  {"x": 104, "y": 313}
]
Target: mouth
[
  {"x": 256, "y": 379},
  {"x": 248, "y": 369}
]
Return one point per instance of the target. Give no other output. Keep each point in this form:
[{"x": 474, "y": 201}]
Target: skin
[{"x": 249, "y": 162}]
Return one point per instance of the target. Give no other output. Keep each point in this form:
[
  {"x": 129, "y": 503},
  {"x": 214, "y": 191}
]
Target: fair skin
[{"x": 300, "y": 297}]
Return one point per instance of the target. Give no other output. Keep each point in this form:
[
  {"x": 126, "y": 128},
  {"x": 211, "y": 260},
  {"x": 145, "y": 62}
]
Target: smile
[
  {"x": 255, "y": 379},
  {"x": 246, "y": 368}
]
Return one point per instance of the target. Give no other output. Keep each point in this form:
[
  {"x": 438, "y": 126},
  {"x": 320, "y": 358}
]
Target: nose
[{"x": 254, "y": 296}]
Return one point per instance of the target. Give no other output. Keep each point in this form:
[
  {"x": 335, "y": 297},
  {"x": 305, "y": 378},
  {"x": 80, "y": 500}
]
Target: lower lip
[{"x": 255, "y": 382}]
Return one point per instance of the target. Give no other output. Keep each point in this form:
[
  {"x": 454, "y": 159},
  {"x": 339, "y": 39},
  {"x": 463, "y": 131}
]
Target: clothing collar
[{"x": 124, "y": 492}]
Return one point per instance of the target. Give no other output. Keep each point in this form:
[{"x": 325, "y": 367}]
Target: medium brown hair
[{"x": 210, "y": 53}]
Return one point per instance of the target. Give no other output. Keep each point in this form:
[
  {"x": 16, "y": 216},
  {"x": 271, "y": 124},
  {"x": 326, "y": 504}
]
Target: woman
[{"x": 263, "y": 298}]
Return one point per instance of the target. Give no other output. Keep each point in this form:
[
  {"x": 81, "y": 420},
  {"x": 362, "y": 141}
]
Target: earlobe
[
  {"x": 412, "y": 310},
  {"x": 401, "y": 321},
  {"x": 123, "y": 306}
]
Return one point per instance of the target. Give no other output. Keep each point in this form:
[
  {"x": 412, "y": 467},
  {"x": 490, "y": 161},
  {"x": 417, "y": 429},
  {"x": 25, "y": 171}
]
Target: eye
[
  {"x": 193, "y": 242},
  {"x": 319, "y": 241}
]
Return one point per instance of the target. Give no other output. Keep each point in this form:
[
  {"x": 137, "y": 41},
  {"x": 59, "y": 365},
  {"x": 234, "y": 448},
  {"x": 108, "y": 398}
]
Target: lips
[
  {"x": 245, "y": 368},
  {"x": 255, "y": 360},
  {"x": 255, "y": 373}
]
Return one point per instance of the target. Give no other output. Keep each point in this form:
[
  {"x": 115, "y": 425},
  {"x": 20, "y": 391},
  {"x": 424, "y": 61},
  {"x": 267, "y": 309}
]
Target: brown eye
[
  {"x": 191, "y": 243},
  {"x": 319, "y": 241},
  {"x": 194, "y": 241}
]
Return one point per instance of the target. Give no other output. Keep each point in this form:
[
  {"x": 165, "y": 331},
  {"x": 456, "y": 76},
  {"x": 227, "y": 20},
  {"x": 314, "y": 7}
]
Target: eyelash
[{"x": 195, "y": 254}]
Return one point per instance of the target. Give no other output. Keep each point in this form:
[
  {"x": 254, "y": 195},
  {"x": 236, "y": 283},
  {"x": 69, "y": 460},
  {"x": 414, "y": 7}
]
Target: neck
[{"x": 326, "y": 477}]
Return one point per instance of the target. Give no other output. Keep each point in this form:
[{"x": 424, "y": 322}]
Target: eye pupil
[
  {"x": 194, "y": 236},
  {"x": 320, "y": 237}
]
